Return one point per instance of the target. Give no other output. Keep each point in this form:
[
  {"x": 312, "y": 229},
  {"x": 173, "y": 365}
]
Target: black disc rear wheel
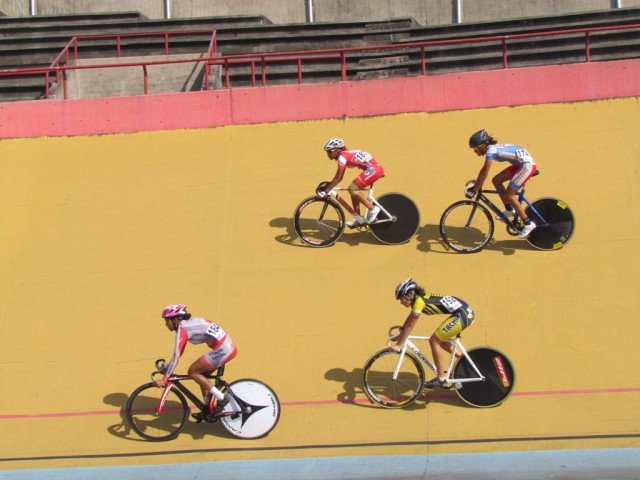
[
  {"x": 499, "y": 377},
  {"x": 555, "y": 228},
  {"x": 403, "y": 222}
]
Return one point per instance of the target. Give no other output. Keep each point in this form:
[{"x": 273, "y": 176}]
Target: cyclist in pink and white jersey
[
  {"x": 521, "y": 168},
  {"x": 199, "y": 330},
  {"x": 371, "y": 171}
]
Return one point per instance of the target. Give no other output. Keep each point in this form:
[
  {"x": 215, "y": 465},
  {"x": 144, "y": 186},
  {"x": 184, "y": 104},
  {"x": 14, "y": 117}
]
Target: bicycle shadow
[
  {"x": 124, "y": 431},
  {"x": 429, "y": 236},
  {"x": 351, "y": 237},
  {"x": 353, "y": 392},
  {"x": 289, "y": 237}
]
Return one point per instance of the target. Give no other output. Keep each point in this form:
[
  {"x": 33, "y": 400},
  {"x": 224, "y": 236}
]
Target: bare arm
[
  {"x": 407, "y": 328},
  {"x": 336, "y": 180},
  {"x": 482, "y": 176}
]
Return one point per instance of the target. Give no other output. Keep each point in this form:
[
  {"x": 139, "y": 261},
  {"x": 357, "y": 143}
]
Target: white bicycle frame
[
  {"x": 334, "y": 193},
  {"x": 457, "y": 345}
]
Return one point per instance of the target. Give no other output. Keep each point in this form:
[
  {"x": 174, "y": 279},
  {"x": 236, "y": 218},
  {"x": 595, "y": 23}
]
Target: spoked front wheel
[
  {"x": 403, "y": 222},
  {"x": 141, "y": 413},
  {"x": 556, "y": 226},
  {"x": 466, "y": 226},
  {"x": 499, "y": 377},
  {"x": 318, "y": 222},
  {"x": 255, "y": 414},
  {"x": 382, "y": 388}
]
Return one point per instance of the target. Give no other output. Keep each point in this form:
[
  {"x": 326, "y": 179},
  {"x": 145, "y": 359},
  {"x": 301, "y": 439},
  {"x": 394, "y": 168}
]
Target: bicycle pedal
[
  {"x": 210, "y": 418},
  {"x": 197, "y": 417}
]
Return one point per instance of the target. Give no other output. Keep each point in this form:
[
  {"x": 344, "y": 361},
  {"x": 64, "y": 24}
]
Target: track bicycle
[
  {"x": 320, "y": 222},
  {"x": 160, "y": 414},
  {"x": 482, "y": 376},
  {"x": 467, "y": 226}
]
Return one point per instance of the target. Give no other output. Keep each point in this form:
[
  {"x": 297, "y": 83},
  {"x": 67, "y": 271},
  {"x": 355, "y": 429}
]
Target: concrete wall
[
  {"x": 122, "y": 81},
  {"x": 426, "y": 12}
]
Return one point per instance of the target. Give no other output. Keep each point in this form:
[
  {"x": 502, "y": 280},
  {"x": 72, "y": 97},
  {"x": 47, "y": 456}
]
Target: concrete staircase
[{"x": 36, "y": 41}]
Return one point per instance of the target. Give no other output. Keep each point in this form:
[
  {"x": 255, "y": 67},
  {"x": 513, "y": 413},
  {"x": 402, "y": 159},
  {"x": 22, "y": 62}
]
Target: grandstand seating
[{"x": 36, "y": 41}]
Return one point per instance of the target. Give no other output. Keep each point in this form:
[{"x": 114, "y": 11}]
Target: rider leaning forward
[
  {"x": 199, "y": 330},
  {"x": 460, "y": 317},
  {"x": 371, "y": 171},
  {"x": 522, "y": 168}
]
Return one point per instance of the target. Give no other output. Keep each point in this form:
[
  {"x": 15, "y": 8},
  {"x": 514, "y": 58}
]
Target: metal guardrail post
[
  {"x": 309, "y": 8},
  {"x": 146, "y": 79},
  {"x": 586, "y": 47}
]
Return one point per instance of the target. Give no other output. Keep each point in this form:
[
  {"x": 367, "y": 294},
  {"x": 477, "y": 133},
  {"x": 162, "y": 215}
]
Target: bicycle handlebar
[{"x": 393, "y": 335}]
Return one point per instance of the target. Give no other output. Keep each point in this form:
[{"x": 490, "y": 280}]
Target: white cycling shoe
[
  {"x": 356, "y": 222},
  {"x": 373, "y": 213},
  {"x": 526, "y": 230}
]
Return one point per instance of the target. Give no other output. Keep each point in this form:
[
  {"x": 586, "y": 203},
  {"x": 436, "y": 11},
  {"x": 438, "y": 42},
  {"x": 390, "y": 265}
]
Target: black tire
[
  {"x": 318, "y": 222},
  {"x": 141, "y": 413},
  {"x": 404, "y": 223},
  {"x": 382, "y": 389},
  {"x": 499, "y": 377},
  {"x": 558, "y": 227},
  {"x": 466, "y": 226}
]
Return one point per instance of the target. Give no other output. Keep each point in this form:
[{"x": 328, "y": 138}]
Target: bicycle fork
[{"x": 163, "y": 398}]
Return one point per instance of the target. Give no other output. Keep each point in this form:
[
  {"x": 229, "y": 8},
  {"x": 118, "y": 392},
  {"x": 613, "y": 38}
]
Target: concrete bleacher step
[
  {"x": 604, "y": 18},
  {"x": 40, "y": 43}
]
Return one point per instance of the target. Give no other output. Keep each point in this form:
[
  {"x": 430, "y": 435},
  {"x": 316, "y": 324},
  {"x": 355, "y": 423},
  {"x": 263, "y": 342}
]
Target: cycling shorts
[
  {"x": 520, "y": 174},
  {"x": 369, "y": 176},
  {"x": 219, "y": 356},
  {"x": 453, "y": 325}
]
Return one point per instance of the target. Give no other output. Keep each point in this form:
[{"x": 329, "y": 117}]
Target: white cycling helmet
[
  {"x": 405, "y": 287},
  {"x": 333, "y": 144}
]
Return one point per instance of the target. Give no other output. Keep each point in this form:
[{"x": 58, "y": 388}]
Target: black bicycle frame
[
  {"x": 512, "y": 223},
  {"x": 219, "y": 382}
]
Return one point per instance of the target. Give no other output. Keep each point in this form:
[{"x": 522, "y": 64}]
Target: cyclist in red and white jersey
[
  {"x": 522, "y": 167},
  {"x": 198, "y": 330},
  {"x": 371, "y": 171}
]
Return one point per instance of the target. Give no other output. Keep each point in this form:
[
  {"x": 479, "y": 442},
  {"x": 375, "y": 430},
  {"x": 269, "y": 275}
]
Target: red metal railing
[
  {"x": 60, "y": 69},
  {"x": 61, "y": 63},
  {"x": 340, "y": 54}
]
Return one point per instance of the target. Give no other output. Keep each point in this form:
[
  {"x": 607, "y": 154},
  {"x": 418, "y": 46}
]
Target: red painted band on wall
[{"x": 460, "y": 91}]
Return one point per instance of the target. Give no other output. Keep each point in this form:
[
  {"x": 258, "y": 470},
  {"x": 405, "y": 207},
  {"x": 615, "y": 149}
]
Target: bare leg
[
  {"x": 437, "y": 346},
  {"x": 357, "y": 197},
  {"x": 197, "y": 371},
  {"x": 508, "y": 196}
]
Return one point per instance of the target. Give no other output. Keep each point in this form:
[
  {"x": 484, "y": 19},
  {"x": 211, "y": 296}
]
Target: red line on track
[{"x": 326, "y": 402}]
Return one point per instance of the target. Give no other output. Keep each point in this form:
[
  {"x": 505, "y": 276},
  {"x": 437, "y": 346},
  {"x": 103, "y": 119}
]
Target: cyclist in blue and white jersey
[{"x": 521, "y": 168}]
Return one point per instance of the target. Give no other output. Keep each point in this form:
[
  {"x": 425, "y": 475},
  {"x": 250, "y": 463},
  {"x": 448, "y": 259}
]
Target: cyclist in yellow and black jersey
[{"x": 460, "y": 317}]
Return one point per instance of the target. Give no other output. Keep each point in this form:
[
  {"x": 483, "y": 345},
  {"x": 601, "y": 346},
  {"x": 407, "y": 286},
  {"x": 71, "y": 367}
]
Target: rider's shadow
[
  {"x": 353, "y": 393},
  {"x": 124, "y": 431},
  {"x": 429, "y": 237}
]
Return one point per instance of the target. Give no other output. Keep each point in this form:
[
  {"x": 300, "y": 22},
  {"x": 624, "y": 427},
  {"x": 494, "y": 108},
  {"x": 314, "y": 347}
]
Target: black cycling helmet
[
  {"x": 481, "y": 137},
  {"x": 405, "y": 287}
]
